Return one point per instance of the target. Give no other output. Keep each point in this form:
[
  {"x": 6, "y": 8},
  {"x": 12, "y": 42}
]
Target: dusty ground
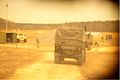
[{"x": 27, "y": 62}]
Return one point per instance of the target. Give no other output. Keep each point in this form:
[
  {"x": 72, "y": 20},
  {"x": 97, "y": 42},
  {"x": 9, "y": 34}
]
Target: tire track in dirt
[{"x": 45, "y": 69}]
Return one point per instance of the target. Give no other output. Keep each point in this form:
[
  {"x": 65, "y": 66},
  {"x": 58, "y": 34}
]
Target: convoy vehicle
[
  {"x": 21, "y": 38},
  {"x": 89, "y": 41},
  {"x": 70, "y": 43}
]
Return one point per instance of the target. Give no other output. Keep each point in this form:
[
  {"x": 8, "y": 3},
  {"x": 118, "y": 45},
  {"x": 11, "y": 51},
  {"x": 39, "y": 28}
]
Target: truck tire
[
  {"x": 62, "y": 59},
  {"x": 84, "y": 55},
  {"x": 18, "y": 40},
  {"x": 79, "y": 61},
  {"x": 25, "y": 40},
  {"x": 57, "y": 59}
]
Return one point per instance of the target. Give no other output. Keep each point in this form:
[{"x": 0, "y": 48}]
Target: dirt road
[
  {"x": 45, "y": 69},
  {"x": 27, "y": 62}
]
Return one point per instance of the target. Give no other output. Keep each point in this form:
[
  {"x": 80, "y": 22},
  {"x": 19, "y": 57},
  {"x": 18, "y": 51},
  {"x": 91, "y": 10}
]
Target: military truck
[
  {"x": 21, "y": 38},
  {"x": 69, "y": 43}
]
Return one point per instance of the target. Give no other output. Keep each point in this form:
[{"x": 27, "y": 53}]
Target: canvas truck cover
[{"x": 70, "y": 35}]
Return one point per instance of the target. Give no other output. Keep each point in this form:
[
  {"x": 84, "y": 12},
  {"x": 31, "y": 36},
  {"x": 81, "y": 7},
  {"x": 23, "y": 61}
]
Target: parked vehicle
[
  {"x": 89, "y": 41},
  {"x": 21, "y": 38}
]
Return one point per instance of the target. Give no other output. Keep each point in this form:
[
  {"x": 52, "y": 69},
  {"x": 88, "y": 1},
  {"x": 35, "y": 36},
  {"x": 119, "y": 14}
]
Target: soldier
[
  {"x": 37, "y": 42},
  {"x": 97, "y": 43},
  {"x": 89, "y": 35},
  {"x": 102, "y": 39}
]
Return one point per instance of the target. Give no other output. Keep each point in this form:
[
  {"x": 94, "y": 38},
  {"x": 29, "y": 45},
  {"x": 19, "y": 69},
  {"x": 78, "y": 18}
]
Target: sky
[{"x": 58, "y": 11}]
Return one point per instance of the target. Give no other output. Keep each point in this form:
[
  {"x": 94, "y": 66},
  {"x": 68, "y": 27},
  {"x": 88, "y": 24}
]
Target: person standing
[
  {"x": 37, "y": 42},
  {"x": 102, "y": 39},
  {"x": 97, "y": 45}
]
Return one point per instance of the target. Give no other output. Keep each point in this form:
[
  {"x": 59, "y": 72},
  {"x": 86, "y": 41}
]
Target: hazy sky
[{"x": 41, "y": 11}]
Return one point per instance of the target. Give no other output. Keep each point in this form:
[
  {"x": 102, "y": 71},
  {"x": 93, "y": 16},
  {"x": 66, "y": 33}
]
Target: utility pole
[
  {"x": 6, "y": 3},
  {"x": 85, "y": 28}
]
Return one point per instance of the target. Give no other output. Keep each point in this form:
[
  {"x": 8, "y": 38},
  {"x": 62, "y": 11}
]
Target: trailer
[{"x": 8, "y": 37}]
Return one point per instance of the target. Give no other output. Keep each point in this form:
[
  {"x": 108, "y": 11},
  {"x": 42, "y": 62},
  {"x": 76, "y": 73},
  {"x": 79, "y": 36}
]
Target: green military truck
[{"x": 70, "y": 43}]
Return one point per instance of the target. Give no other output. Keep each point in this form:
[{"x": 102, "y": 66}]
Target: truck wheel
[
  {"x": 62, "y": 59},
  {"x": 79, "y": 61},
  {"x": 18, "y": 40},
  {"x": 57, "y": 59},
  {"x": 83, "y": 58},
  {"x": 25, "y": 40},
  {"x": 83, "y": 55}
]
